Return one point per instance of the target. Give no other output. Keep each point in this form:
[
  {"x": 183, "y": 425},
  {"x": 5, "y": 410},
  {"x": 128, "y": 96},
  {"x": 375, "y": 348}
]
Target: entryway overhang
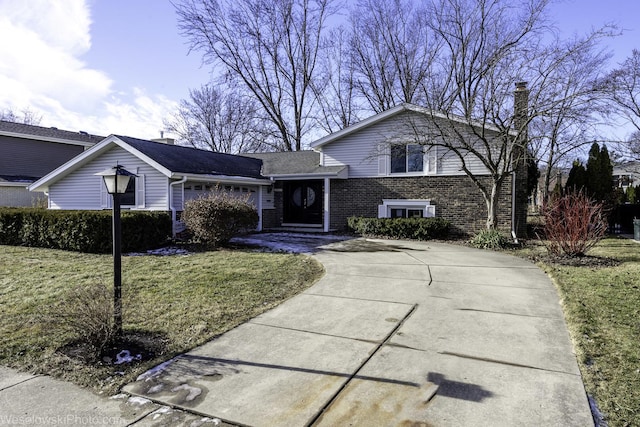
[{"x": 300, "y": 198}]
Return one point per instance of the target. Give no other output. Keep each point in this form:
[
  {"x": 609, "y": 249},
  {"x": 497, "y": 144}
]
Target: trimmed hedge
[
  {"x": 82, "y": 231},
  {"x": 401, "y": 228}
]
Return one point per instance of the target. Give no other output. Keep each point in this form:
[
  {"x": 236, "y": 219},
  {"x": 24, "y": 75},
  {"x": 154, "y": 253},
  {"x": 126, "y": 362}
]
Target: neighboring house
[
  {"x": 369, "y": 169},
  {"x": 626, "y": 175},
  {"x": 30, "y": 152}
]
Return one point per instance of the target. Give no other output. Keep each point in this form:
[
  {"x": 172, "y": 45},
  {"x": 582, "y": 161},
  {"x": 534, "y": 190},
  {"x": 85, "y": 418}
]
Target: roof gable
[
  {"x": 170, "y": 160},
  {"x": 392, "y": 112}
]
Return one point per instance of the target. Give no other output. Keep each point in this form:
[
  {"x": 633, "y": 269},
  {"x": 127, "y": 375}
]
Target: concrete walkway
[{"x": 395, "y": 333}]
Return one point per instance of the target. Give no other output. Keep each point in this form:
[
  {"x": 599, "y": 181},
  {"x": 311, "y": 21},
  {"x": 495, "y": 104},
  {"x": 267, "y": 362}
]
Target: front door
[{"x": 303, "y": 202}]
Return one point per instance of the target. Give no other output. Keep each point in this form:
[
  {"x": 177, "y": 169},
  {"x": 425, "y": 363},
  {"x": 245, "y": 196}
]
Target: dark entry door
[{"x": 303, "y": 202}]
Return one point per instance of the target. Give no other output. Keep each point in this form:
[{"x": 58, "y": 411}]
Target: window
[
  {"x": 407, "y": 158},
  {"x": 406, "y": 208},
  {"x": 128, "y": 198},
  {"x": 406, "y": 213},
  {"x": 133, "y": 197}
]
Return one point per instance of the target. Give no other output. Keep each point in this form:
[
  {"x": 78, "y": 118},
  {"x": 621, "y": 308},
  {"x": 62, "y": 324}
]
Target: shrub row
[
  {"x": 82, "y": 231},
  {"x": 400, "y": 228}
]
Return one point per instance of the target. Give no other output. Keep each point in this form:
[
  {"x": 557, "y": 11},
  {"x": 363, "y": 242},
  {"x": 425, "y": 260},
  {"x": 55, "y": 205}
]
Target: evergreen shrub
[
  {"x": 82, "y": 231},
  {"x": 400, "y": 228},
  {"x": 489, "y": 239}
]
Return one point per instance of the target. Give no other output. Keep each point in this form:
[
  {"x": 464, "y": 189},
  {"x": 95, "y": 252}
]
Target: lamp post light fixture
[{"x": 116, "y": 179}]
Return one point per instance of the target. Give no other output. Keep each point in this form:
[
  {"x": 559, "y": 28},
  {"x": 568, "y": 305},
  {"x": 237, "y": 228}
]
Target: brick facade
[{"x": 456, "y": 198}]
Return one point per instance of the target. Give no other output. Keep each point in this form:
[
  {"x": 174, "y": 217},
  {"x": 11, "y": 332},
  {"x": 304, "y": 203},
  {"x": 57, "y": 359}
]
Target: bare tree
[
  {"x": 25, "y": 116},
  {"x": 392, "y": 52},
  {"x": 485, "y": 47},
  {"x": 479, "y": 62},
  {"x": 217, "y": 120},
  {"x": 269, "y": 47},
  {"x": 334, "y": 87},
  {"x": 623, "y": 88},
  {"x": 568, "y": 102},
  {"x": 623, "y": 84}
]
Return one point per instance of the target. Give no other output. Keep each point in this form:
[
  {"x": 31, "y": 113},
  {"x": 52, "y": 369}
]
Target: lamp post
[{"x": 116, "y": 180}]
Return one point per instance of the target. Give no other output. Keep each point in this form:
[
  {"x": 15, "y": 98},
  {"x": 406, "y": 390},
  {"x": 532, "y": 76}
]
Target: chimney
[
  {"x": 519, "y": 159},
  {"x": 521, "y": 108},
  {"x": 168, "y": 141}
]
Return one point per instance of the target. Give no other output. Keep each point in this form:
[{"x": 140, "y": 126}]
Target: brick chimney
[
  {"x": 520, "y": 155},
  {"x": 521, "y": 108}
]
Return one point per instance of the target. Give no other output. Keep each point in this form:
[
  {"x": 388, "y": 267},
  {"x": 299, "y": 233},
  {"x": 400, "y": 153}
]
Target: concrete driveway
[{"x": 396, "y": 333}]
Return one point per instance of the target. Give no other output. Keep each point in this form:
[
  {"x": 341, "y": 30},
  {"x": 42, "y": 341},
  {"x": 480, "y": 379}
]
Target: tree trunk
[{"x": 491, "y": 200}]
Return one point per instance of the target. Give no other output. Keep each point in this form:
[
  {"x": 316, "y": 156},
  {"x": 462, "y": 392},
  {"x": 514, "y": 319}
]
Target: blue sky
[{"x": 120, "y": 66}]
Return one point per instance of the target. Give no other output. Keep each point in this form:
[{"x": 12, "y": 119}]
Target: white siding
[
  {"x": 178, "y": 199},
  {"x": 194, "y": 189},
  {"x": 365, "y": 153},
  {"x": 82, "y": 189},
  {"x": 268, "y": 198}
]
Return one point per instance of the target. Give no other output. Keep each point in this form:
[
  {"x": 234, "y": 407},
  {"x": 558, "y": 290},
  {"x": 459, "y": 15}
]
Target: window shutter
[
  {"x": 383, "y": 159},
  {"x": 431, "y": 161},
  {"x": 382, "y": 211},
  {"x": 140, "y": 194},
  {"x": 430, "y": 211}
]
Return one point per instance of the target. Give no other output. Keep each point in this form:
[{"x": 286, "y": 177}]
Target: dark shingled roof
[
  {"x": 48, "y": 132},
  {"x": 18, "y": 179},
  {"x": 194, "y": 161},
  {"x": 293, "y": 162}
]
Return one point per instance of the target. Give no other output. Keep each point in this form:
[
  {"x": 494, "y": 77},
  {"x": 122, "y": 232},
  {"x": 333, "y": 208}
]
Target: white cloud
[
  {"x": 41, "y": 70},
  {"x": 41, "y": 41}
]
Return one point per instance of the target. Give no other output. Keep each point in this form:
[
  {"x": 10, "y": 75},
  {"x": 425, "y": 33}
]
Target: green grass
[
  {"x": 172, "y": 303},
  {"x": 602, "y": 309}
]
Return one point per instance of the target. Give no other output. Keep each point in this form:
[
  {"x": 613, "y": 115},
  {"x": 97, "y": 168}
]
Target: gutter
[{"x": 171, "y": 207}]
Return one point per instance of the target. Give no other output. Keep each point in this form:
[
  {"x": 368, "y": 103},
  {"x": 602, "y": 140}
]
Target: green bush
[
  {"x": 82, "y": 231},
  {"x": 489, "y": 239},
  {"x": 215, "y": 218},
  {"x": 400, "y": 228}
]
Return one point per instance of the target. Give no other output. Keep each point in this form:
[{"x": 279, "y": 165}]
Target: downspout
[
  {"x": 173, "y": 208},
  {"x": 513, "y": 208}
]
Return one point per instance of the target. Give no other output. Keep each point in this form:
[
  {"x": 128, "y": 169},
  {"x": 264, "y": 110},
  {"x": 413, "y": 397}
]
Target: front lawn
[
  {"x": 171, "y": 304},
  {"x": 602, "y": 308}
]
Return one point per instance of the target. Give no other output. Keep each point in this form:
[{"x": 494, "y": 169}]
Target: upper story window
[
  {"x": 410, "y": 159},
  {"x": 407, "y": 158}
]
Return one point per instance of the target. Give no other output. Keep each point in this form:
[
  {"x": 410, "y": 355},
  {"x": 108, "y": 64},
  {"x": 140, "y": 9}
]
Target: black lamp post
[{"x": 117, "y": 180}]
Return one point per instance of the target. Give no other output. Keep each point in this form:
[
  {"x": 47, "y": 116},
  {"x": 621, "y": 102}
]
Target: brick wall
[{"x": 456, "y": 199}]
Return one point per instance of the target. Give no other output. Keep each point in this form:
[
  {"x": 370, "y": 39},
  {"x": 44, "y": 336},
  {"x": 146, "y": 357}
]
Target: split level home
[
  {"x": 27, "y": 153},
  {"x": 369, "y": 169}
]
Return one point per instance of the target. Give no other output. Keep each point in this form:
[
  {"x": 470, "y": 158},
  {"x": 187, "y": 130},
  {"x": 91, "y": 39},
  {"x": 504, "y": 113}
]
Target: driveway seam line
[
  {"x": 357, "y": 299},
  {"x": 382, "y": 343},
  {"x": 20, "y": 382}
]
